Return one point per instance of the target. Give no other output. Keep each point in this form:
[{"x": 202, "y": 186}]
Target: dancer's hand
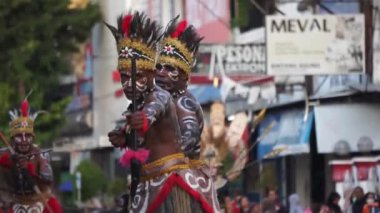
[
  {"x": 137, "y": 120},
  {"x": 117, "y": 137},
  {"x": 22, "y": 161}
]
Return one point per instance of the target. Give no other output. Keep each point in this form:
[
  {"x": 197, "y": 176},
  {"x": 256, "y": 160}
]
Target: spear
[
  {"x": 135, "y": 164},
  {"x": 25, "y": 172}
]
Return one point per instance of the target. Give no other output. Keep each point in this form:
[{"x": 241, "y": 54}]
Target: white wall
[
  {"x": 170, "y": 9},
  {"x": 107, "y": 108}
]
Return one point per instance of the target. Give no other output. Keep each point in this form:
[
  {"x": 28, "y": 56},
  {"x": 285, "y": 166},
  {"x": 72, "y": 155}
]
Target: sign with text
[
  {"x": 240, "y": 59},
  {"x": 318, "y": 44}
]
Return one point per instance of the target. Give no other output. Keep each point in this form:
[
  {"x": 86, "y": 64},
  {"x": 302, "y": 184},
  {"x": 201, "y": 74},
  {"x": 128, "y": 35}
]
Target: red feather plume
[
  {"x": 180, "y": 28},
  {"x": 125, "y": 26},
  {"x": 54, "y": 205},
  {"x": 24, "y": 108}
]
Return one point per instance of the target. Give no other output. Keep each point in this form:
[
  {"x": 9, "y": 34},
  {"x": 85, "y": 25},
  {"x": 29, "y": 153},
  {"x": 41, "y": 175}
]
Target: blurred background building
[{"x": 319, "y": 118}]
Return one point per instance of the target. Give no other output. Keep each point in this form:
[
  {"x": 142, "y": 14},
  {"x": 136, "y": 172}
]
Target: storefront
[
  {"x": 282, "y": 152},
  {"x": 349, "y": 134}
]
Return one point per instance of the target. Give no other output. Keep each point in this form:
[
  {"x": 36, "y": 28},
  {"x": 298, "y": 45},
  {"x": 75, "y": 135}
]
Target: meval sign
[{"x": 315, "y": 45}]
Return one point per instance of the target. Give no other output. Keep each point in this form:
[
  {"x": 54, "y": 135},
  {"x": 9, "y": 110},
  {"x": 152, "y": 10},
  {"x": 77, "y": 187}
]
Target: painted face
[
  {"x": 22, "y": 142},
  {"x": 170, "y": 78},
  {"x": 144, "y": 82}
]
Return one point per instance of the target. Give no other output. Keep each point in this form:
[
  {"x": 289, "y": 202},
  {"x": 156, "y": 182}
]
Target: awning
[
  {"x": 205, "y": 93},
  {"x": 290, "y": 134},
  {"x": 347, "y": 127}
]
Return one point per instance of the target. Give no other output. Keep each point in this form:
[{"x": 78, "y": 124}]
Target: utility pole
[{"x": 366, "y": 8}]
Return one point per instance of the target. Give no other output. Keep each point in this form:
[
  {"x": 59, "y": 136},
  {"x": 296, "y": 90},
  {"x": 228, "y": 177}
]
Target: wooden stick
[{"x": 5, "y": 141}]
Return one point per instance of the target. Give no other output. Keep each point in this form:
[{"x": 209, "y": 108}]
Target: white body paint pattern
[
  {"x": 37, "y": 207},
  {"x": 197, "y": 178}
]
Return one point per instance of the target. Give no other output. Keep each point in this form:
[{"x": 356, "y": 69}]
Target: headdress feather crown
[
  {"x": 23, "y": 122},
  {"x": 180, "y": 44},
  {"x": 136, "y": 36}
]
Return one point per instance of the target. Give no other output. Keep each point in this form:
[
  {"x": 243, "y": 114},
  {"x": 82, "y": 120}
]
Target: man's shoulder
[
  {"x": 188, "y": 100},
  {"x": 189, "y": 95},
  {"x": 159, "y": 93}
]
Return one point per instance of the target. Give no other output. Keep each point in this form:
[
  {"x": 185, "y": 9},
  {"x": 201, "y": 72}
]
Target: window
[
  {"x": 246, "y": 16},
  {"x": 341, "y": 6}
]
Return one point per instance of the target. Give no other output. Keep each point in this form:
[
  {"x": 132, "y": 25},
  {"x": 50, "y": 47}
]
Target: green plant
[
  {"x": 37, "y": 36},
  {"x": 93, "y": 179},
  {"x": 242, "y": 17},
  {"x": 117, "y": 187}
]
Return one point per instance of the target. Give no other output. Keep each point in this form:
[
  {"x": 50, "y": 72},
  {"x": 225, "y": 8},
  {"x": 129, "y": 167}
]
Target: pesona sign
[{"x": 234, "y": 59}]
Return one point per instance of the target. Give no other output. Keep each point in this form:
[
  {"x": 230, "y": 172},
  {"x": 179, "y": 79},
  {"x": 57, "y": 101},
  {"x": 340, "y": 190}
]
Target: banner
[
  {"x": 290, "y": 134},
  {"x": 340, "y": 169},
  {"x": 240, "y": 59},
  {"x": 318, "y": 44}
]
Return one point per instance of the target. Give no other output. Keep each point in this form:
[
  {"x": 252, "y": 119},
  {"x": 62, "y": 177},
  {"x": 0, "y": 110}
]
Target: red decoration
[
  {"x": 5, "y": 160},
  {"x": 180, "y": 28},
  {"x": 24, "y": 108},
  {"x": 125, "y": 25},
  {"x": 54, "y": 206},
  {"x": 172, "y": 181},
  {"x": 116, "y": 76},
  {"x": 141, "y": 155},
  {"x": 32, "y": 169},
  {"x": 119, "y": 93},
  {"x": 145, "y": 127}
]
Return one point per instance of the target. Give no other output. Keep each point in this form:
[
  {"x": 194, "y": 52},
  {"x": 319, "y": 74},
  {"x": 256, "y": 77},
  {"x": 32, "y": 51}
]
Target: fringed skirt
[{"x": 175, "y": 184}]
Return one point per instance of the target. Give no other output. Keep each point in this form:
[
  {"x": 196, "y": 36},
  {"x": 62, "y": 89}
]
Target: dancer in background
[{"x": 26, "y": 168}]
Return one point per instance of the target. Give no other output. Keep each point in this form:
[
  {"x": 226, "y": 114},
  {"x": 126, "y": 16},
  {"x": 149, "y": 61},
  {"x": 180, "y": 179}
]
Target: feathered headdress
[
  {"x": 136, "y": 36},
  {"x": 23, "y": 122},
  {"x": 179, "y": 45}
]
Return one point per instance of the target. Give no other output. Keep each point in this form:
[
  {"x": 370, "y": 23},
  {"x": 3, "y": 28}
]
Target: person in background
[
  {"x": 371, "y": 204},
  {"x": 318, "y": 208},
  {"x": 228, "y": 208},
  {"x": 294, "y": 204},
  {"x": 256, "y": 208},
  {"x": 236, "y": 203},
  {"x": 272, "y": 195},
  {"x": 268, "y": 206},
  {"x": 26, "y": 168},
  {"x": 245, "y": 205},
  {"x": 333, "y": 202},
  {"x": 357, "y": 200},
  {"x": 324, "y": 209}
]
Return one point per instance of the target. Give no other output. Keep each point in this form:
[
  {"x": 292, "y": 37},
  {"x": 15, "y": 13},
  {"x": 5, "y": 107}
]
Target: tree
[
  {"x": 93, "y": 179},
  {"x": 37, "y": 36}
]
